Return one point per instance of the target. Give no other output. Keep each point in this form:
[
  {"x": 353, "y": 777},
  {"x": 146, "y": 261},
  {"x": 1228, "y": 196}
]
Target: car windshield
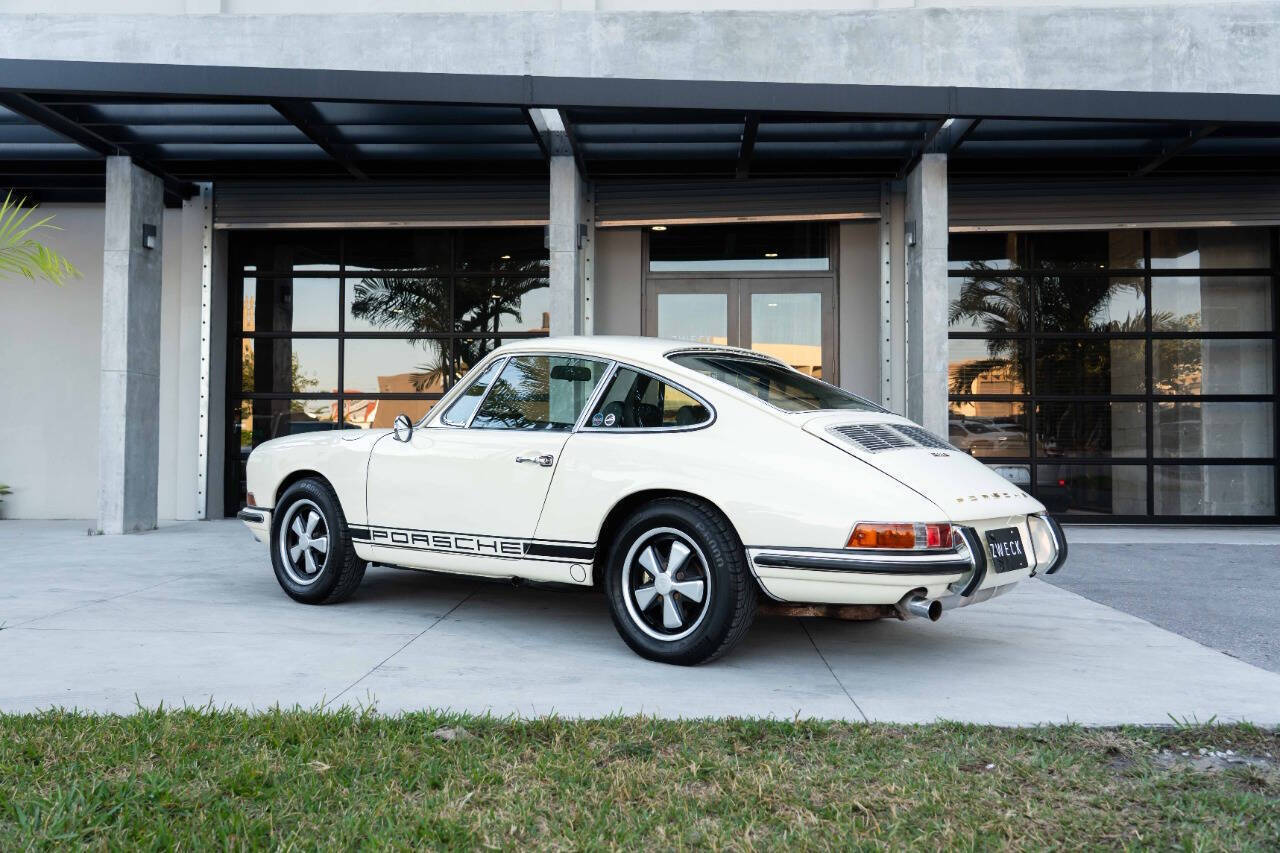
[{"x": 771, "y": 382}]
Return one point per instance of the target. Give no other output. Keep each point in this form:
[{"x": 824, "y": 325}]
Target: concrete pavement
[
  {"x": 191, "y": 613},
  {"x": 1216, "y": 586}
]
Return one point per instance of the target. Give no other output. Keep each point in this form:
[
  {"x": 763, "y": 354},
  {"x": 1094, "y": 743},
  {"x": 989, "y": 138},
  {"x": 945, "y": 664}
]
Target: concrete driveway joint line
[
  {"x": 84, "y": 604},
  {"x": 827, "y": 664},
  {"x": 380, "y": 663}
]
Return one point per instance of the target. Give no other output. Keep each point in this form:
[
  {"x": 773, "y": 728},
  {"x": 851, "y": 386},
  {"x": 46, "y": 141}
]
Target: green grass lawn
[{"x": 302, "y": 779}]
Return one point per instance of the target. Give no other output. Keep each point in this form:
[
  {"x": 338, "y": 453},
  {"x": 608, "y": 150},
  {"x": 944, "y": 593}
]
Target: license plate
[{"x": 1005, "y": 547}]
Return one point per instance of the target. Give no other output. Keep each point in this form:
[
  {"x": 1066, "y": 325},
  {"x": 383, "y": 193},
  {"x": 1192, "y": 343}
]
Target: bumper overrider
[
  {"x": 907, "y": 585},
  {"x": 257, "y": 519}
]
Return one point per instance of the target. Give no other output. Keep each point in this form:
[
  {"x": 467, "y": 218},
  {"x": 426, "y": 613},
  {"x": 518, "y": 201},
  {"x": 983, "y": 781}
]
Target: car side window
[
  {"x": 461, "y": 410},
  {"x": 540, "y": 392},
  {"x": 636, "y": 400}
]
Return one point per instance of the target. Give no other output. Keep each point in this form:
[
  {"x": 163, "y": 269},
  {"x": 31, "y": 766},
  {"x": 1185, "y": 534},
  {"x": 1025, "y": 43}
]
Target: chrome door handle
[{"x": 546, "y": 460}]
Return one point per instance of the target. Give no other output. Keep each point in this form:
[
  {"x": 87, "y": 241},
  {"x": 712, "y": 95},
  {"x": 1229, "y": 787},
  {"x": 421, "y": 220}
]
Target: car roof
[{"x": 649, "y": 352}]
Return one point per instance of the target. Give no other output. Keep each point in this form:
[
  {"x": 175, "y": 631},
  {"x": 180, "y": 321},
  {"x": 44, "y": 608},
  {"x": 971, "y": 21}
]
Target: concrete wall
[
  {"x": 859, "y": 306},
  {"x": 1205, "y": 47},
  {"x": 49, "y": 375},
  {"x": 49, "y": 360},
  {"x": 619, "y": 291}
]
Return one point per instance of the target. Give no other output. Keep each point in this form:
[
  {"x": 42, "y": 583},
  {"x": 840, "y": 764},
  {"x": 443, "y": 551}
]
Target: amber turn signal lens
[
  {"x": 883, "y": 536},
  {"x": 249, "y": 500},
  {"x": 909, "y": 535}
]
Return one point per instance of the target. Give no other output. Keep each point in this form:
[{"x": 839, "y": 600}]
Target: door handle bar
[{"x": 546, "y": 460}]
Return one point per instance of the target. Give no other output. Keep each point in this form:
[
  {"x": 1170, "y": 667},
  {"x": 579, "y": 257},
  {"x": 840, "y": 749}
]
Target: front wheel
[
  {"x": 678, "y": 584},
  {"x": 311, "y": 548}
]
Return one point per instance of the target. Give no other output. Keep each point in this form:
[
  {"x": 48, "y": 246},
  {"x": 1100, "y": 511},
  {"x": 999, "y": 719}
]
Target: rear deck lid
[{"x": 964, "y": 487}]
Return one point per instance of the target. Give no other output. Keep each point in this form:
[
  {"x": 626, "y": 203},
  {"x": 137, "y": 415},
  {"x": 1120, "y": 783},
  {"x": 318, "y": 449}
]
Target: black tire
[
  {"x": 707, "y": 628},
  {"x": 338, "y": 571}
]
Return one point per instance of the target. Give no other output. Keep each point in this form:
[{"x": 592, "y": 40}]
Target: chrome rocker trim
[{"x": 946, "y": 563}]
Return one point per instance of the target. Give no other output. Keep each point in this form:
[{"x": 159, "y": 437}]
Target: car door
[{"x": 465, "y": 493}]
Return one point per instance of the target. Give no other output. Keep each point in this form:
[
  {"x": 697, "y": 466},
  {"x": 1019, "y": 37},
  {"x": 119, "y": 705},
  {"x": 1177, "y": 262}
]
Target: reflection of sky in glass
[
  {"x": 1124, "y": 302},
  {"x": 967, "y": 350},
  {"x": 698, "y": 317},
  {"x": 317, "y": 359},
  {"x": 532, "y": 306},
  {"x": 367, "y": 360},
  {"x": 315, "y": 303}
]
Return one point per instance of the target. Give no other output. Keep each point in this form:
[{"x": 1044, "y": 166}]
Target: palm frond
[{"x": 20, "y": 254}]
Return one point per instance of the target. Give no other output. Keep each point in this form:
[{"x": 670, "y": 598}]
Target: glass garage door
[
  {"x": 1120, "y": 375},
  {"x": 349, "y": 328}
]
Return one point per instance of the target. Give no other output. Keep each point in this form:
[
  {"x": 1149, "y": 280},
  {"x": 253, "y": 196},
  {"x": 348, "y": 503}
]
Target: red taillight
[{"x": 911, "y": 535}]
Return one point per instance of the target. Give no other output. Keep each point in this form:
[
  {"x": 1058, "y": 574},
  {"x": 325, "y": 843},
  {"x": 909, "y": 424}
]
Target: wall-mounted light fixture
[
  {"x": 657, "y": 228},
  {"x": 148, "y": 236}
]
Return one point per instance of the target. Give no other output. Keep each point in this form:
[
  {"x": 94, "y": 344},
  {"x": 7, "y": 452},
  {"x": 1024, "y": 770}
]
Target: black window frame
[{"x": 1030, "y": 277}]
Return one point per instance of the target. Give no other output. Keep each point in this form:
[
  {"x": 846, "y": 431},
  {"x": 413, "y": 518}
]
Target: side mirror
[{"x": 402, "y": 430}]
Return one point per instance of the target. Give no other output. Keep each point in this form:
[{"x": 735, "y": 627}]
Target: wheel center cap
[{"x": 662, "y": 583}]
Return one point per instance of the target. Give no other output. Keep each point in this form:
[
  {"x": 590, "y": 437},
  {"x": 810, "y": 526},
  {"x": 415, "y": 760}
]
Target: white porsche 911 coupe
[{"x": 690, "y": 482}]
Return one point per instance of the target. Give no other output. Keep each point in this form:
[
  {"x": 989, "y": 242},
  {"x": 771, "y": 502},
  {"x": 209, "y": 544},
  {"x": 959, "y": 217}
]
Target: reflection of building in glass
[{"x": 1129, "y": 357}]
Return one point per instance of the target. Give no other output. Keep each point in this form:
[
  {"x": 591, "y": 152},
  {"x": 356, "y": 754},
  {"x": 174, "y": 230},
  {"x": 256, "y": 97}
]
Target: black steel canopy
[{"x": 185, "y": 123}]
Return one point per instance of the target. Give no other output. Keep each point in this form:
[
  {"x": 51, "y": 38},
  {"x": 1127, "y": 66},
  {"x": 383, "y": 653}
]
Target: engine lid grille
[
  {"x": 873, "y": 438},
  {"x": 922, "y": 437},
  {"x": 877, "y": 438}
]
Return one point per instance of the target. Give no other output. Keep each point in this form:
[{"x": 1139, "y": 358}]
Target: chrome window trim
[
  {"x": 768, "y": 359},
  {"x": 436, "y": 415},
  {"x": 584, "y": 427},
  {"x": 594, "y": 399},
  {"x": 507, "y": 357},
  {"x": 718, "y": 350}
]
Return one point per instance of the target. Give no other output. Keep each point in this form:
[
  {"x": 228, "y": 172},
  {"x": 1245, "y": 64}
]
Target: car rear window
[{"x": 776, "y": 385}]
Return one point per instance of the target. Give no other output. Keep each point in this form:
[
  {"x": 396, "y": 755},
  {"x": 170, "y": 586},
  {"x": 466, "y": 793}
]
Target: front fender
[{"x": 340, "y": 457}]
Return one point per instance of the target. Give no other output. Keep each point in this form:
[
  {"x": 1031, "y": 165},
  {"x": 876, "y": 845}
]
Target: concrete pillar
[
  {"x": 129, "y": 408},
  {"x": 926, "y": 237},
  {"x": 565, "y": 242}
]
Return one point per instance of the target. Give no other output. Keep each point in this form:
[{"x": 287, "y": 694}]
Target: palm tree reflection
[
  {"x": 424, "y": 307},
  {"x": 1070, "y": 297}
]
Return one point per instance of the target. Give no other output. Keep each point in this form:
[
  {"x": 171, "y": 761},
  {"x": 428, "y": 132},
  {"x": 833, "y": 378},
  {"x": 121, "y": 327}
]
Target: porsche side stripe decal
[
  {"x": 472, "y": 544},
  {"x": 547, "y": 550}
]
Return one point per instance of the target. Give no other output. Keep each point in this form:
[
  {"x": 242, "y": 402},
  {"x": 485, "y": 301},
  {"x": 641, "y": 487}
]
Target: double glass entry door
[{"x": 790, "y": 319}]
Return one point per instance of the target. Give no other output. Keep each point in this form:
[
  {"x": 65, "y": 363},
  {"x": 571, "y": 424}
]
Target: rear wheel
[
  {"x": 678, "y": 584},
  {"x": 311, "y": 548}
]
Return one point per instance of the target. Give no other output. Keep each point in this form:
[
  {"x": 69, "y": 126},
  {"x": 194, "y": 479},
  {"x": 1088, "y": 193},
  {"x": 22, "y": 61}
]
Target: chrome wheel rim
[
  {"x": 666, "y": 584},
  {"x": 304, "y": 542}
]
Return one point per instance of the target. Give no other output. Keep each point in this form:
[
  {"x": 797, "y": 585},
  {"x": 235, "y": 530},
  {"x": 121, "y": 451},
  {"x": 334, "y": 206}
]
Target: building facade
[{"x": 1050, "y": 234}]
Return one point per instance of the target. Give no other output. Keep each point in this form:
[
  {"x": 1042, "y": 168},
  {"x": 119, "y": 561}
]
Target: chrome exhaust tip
[{"x": 920, "y": 608}]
